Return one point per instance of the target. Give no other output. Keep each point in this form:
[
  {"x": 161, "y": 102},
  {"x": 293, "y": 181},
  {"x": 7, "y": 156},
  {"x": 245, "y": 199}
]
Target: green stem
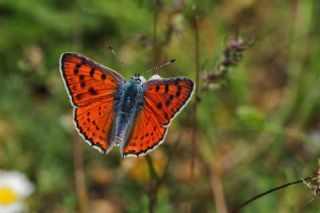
[{"x": 237, "y": 209}]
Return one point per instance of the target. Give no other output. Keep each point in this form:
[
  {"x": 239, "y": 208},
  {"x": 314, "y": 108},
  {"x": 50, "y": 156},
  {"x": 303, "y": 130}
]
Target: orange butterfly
[{"x": 108, "y": 110}]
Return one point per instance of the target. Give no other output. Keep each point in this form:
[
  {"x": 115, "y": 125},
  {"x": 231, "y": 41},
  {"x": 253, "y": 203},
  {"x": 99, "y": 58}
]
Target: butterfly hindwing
[
  {"x": 166, "y": 97},
  {"x": 86, "y": 81},
  {"x": 146, "y": 135},
  {"x": 94, "y": 123}
]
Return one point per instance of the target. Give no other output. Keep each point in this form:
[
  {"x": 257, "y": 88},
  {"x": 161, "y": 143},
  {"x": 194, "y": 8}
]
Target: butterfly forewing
[
  {"x": 87, "y": 81},
  {"x": 166, "y": 97}
]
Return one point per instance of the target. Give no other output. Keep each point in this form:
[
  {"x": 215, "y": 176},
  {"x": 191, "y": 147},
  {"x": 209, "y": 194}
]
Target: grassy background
[{"x": 259, "y": 129}]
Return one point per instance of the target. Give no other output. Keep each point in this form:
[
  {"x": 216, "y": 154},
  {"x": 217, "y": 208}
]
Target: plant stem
[
  {"x": 217, "y": 190},
  {"x": 159, "y": 180},
  {"x": 154, "y": 32},
  {"x": 152, "y": 189},
  {"x": 267, "y": 192},
  {"x": 79, "y": 175},
  {"x": 195, "y": 103}
]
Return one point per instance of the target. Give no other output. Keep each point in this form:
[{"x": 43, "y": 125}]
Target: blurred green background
[{"x": 258, "y": 130}]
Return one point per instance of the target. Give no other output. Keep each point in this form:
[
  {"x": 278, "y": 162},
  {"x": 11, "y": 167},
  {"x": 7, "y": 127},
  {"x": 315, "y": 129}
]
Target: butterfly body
[
  {"x": 110, "y": 111},
  {"x": 128, "y": 102}
]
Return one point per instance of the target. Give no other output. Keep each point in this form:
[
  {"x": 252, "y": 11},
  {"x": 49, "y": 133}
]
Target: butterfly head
[{"x": 138, "y": 78}]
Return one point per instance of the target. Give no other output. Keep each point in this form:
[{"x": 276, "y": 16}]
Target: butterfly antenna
[
  {"x": 118, "y": 58},
  {"x": 159, "y": 67}
]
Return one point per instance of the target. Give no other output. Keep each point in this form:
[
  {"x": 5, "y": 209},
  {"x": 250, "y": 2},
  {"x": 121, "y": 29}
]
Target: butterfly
[{"x": 108, "y": 110}]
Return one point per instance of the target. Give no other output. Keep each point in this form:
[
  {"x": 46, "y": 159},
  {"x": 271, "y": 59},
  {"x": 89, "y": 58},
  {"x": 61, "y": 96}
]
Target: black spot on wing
[
  {"x": 103, "y": 76},
  {"x": 78, "y": 96},
  {"x": 166, "y": 88},
  {"x": 82, "y": 82},
  {"x": 168, "y": 102},
  {"x": 92, "y": 91},
  {"x": 76, "y": 68},
  {"x": 92, "y": 71},
  {"x": 178, "y": 93},
  {"x": 176, "y": 81}
]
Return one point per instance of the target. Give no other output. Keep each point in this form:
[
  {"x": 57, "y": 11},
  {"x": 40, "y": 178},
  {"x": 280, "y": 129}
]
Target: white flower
[{"x": 14, "y": 188}]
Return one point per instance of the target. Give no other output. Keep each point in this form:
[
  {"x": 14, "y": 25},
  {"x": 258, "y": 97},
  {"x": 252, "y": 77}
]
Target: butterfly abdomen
[{"x": 128, "y": 101}]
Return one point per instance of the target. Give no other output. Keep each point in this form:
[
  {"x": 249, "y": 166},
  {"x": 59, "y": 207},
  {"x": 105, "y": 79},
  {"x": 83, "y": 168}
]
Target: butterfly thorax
[
  {"x": 136, "y": 78},
  {"x": 128, "y": 101},
  {"x": 129, "y": 97}
]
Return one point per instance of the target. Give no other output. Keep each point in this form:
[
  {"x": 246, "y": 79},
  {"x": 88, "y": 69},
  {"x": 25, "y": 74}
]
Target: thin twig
[
  {"x": 215, "y": 168},
  {"x": 308, "y": 179},
  {"x": 195, "y": 103},
  {"x": 159, "y": 180},
  {"x": 155, "y": 26},
  {"x": 152, "y": 170},
  {"x": 79, "y": 174},
  {"x": 152, "y": 190},
  {"x": 217, "y": 189}
]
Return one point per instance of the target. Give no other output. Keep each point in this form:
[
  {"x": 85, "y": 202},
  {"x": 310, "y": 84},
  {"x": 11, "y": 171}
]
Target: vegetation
[{"x": 252, "y": 128}]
